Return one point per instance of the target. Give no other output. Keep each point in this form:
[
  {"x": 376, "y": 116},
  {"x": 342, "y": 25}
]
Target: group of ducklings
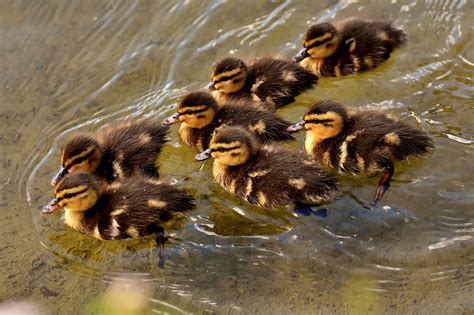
[{"x": 109, "y": 182}]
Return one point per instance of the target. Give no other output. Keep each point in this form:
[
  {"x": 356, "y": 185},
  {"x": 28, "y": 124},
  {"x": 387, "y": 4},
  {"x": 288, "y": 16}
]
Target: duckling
[
  {"x": 199, "y": 115},
  {"x": 115, "y": 151},
  {"x": 133, "y": 207},
  {"x": 274, "y": 81},
  {"x": 363, "y": 142},
  {"x": 352, "y": 46},
  {"x": 265, "y": 175}
]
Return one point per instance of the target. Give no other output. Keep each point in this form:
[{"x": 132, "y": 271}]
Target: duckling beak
[
  {"x": 51, "y": 207},
  {"x": 171, "y": 120},
  {"x": 204, "y": 155},
  {"x": 210, "y": 86},
  {"x": 57, "y": 178},
  {"x": 296, "y": 127},
  {"x": 303, "y": 53}
]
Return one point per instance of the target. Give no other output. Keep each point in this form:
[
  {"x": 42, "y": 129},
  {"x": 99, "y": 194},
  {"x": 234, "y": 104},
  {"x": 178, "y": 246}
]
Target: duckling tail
[{"x": 396, "y": 37}]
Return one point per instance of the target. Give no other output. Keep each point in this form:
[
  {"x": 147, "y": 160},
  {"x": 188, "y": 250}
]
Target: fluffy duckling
[
  {"x": 352, "y": 46},
  {"x": 363, "y": 142},
  {"x": 115, "y": 151},
  {"x": 265, "y": 175},
  {"x": 133, "y": 207},
  {"x": 274, "y": 81},
  {"x": 199, "y": 115}
]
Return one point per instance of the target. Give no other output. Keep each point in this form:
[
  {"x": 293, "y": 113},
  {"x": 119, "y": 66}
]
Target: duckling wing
[
  {"x": 369, "y": 42},
  {"x": 266, "y": 125},
  {"x": 131, "y": 147},
  {"x": 278, "y": 81}
]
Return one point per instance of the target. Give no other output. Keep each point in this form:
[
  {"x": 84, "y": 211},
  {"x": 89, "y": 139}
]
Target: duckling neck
[
  {"x": 218, "y": 171},
  {"x": 74, "y": 219},
  {"x": 311, "y": 142}
]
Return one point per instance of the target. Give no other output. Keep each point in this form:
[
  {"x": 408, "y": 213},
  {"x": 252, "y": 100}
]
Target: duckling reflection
[
  {"x": 274, "y": 81},
  {"x": 131, "y": 208},
  {"x": 269, "y": 175},
  {"x": 351, "y": 46},
  {"x": 200, "y": 115},
  {"x": 363, "y": 142},
  {"x": 116, "y": 151}
]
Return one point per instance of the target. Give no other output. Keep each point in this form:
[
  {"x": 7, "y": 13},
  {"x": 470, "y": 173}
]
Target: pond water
[{"x": 68, "y": 66}]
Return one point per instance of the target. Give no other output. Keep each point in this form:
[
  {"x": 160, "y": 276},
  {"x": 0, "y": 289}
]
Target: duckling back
[
  {"x": 369, "y": 43},
  {"x": 370, "y": 141},
  {"x": 278, "y": 82},
  {"x": 131, "y": 148},
  {"x": 277, "y": 177},
  {"x": 135, "y": 207},
  {"x": 266, "y": 125}
]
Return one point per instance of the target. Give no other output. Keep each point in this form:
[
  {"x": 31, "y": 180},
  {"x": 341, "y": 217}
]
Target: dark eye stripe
[
  {"x": 227, "y": 78},
  {"x": 319, "y": 43},
  {"x": 192, "y": 112},
  {"x": 224, "y": 149},
  {"x": 79, "y": 160},
  {"x": 318, "y": 121},
  {"x": 67, "y": 196}
]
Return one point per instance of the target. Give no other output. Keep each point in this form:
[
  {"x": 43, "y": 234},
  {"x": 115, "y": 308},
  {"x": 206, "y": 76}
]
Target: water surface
[{"x": 70, "y": 66}]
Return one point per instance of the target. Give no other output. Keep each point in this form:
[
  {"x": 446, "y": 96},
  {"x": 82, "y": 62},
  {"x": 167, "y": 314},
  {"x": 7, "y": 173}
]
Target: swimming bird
[
  {"x": 273, "y": 81},
  {"x": 266, "y": 175},
  {"x": 362, "y": 142},
  {"x": 351, "y": 46},
  {"x": 199, "y": 115},
  {"x": 133, "y": 207},
  {"x": 115, "y": 151}
]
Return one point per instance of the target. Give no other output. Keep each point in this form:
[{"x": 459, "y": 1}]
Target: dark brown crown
[
  {"x": 78, "y": 144},
  {"x": 197, "y": 98},
  {"x": 324, "y": 106},
  {"x": 317, "y": 30},
  {"x": 228, "y": 134},
  {"x": 228, "y": 64},
  {"x": 78, "y": 179}
]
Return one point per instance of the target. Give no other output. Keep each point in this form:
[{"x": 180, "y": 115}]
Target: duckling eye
[{"x": 221, "y": 150}]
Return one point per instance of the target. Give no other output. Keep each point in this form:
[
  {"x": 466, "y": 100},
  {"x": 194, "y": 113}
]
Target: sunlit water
[{"x": 77, "y": 65}]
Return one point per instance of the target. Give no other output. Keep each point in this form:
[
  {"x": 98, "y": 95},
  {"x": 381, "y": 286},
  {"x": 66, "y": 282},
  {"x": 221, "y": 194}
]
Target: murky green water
[{"x": 76, "y": 65}]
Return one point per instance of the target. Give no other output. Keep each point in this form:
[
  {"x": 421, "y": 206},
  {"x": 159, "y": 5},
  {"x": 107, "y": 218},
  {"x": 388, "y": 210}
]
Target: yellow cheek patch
[
  {"x": 74, "y": 190},
  {"x": 320, "y": 38},
  {"x": 193, "y": 108},
  {"x": 215, "y": 146},
  {"x": 225, "y": 74}
]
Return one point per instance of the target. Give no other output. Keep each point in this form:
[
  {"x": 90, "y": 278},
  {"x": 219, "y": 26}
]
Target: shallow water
[{"x": 76, "y": 65}]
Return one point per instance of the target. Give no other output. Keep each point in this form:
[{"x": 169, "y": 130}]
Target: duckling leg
[
  {"x": 384, "y": 183},
  {"x": 160, "y": 242}
]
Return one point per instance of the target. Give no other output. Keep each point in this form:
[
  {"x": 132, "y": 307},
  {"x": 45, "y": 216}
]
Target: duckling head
[
  {"x": 196, "y": 110},
  {"x": 231, "y": 146},
  {"x": 320, "y": 41},
  {"x": 75, "y": 192},
  {"x": 81, "y": 153},
  {"x": 229, "y": 75},
  {"x": 325, "y": 119}
]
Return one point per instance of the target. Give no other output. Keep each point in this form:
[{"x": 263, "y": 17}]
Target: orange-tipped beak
[
  {"x": 57, "y": 178},
  {"x": 171, "y": 120},
  {"x": 296, "y": 127},
  {"x": 51, "y": 207}
]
